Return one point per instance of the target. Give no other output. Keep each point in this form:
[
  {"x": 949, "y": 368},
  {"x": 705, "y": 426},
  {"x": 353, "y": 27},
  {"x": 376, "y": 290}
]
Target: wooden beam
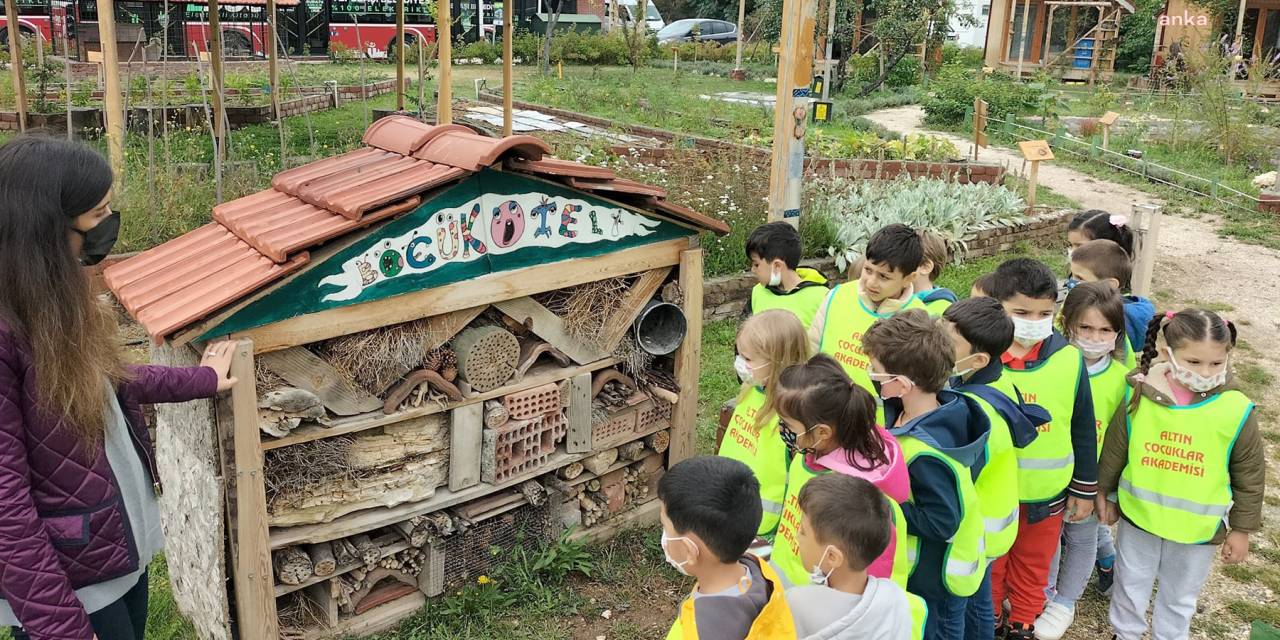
[
  {"x": 795, "y": 74},
  {"x": 305, "y": 370},
  {"x": 579, "y": 415},
  {"x": 217, "y": 85},
  {"x": 254, "y": 592},
  {"x": 640, "y": 516},
  {"x": 444, "y": 49},
  {"x": 508, "y": 61},
  {"x": 549, "y": 327},
  {"x": 632, "y": 303},
  {"x": 503, "y": 285},
  {"x": 400, "y": 55},
  {"x": 114, "y": 109},
  {"x": 684, "y": 418},
  {"x": 15, "y": 66},
  {"x": 466, "y": 433}
]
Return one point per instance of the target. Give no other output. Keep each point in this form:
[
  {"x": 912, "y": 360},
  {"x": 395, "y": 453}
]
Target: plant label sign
[
  {"x": 1035, "y": 150},
  {"x": 1109, "y": 118}
]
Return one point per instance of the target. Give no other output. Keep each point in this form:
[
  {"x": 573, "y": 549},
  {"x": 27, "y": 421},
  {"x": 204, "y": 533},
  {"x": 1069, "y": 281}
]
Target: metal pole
[
  {"x": 507, "y": 61},
  {"x": 795, "y": 73},
  {"x": 444, "y": 51},
  {"x": 15, "y": 62},
  {"x": 114, "y": 114},
  {"x": 831, "y": 35},
  {"x": 399, "y": 55}
]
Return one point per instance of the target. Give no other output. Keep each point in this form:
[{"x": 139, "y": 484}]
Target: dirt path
[{"x": 1195, "y": 267}]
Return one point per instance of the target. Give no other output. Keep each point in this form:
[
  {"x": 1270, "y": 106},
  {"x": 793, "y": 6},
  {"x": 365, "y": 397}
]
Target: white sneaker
[{"x": 1053, "y": 623}]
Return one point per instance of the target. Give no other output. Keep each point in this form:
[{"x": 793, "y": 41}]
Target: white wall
[{"x": 971, "y": 36}]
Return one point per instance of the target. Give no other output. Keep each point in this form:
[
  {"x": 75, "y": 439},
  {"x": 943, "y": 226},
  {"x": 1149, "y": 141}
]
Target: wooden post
[
  {"x": 1238, "y": 43},
  {"x": 238, "y": 418},
  {"x": 1024, "y": 37},
  {"x": 979, "y": 126},
  {"x": 795, "y": 73},
  {"x": 15, "y": 62},
  {"x": 508, "y": 59},
  {"x": 684, "y": 419},
  {"x": 114, "y": 114},
  {"x": 831, "y": 36},
  {"x": 1148, "y": 216},
  {"x": 444, "y": 52},
  {"x": 422, "y": 78},
  {"x": 400, "y": 55},
  {"x": 738, "y": 73},
  {"x": 216, "y": 88},
  {"x": 1034, "y": 151},
  {"x": 273, "y": 68},
  {"x": 1032, "y": 179},
  {"x": 1109, "y": 118}
]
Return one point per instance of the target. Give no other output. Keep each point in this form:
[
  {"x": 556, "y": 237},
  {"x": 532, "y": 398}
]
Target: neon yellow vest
[
  {"x": 1176, "y": 484},
  {"x": 763, "y": 451},
  {"x": 919, "y": 615},
  {"x": 804, "y": 302},
  {"x": 774, "y": 621},
  {"x": 1108, "y": 389},
  {"x": 1045, "y": 465},
  {"x": 965, "y": 562},
  {"x": 997, "y": 485},
  {"x": 937, "y": 307},
  {"x": 846, "y": 320},
  {"x": 786, "y": 545}
]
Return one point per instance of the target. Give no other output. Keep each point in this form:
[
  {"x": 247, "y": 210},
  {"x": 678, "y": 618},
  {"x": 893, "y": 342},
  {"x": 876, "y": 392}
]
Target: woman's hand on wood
[{"x": 217, "y": 356}]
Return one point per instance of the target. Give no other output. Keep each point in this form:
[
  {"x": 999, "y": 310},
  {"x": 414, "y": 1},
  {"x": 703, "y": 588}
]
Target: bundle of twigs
[
  {"x": 377, "y": 358},
  {"x": 586, "y": 308},
  {"x": 293, "y": 468}
]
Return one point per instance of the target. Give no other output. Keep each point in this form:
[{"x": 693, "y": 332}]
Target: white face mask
[
  {"x": 1194, "y": 381},
  {"x": 885, "y": 378},
  {"x": 746, "y": 372},
  {"x": 1069, "y": 251},
  {"x": 775, "y": 278},
  {"x": 957, "y": 371},
  {"x": 1092, "y": 349},
  {"x": 817, "y": 575},
  {"x": 666, "y": 552},
  {"x": 1028, "y": 332}
]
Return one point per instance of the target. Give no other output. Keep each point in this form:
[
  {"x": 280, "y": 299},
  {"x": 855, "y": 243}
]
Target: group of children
[{"x": 902, "y": 464}]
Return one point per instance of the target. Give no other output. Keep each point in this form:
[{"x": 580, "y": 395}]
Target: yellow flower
[{"x": 483, "y": 580}]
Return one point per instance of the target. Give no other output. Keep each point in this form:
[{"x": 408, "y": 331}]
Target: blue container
[{"x": 1083, "y": 58}]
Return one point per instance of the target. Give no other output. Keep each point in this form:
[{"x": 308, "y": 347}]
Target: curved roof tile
[
  {"x": 473, "y": 152},
  {"x": 404, "y": 135}
]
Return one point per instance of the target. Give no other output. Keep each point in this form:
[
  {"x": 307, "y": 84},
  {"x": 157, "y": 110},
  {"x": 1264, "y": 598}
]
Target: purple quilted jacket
[{"x": 62, "y": 521}]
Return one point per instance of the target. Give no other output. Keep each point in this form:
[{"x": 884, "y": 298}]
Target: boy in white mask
[
  {"x": 1058, "y": 471},
  {"x": 774, "y": 250},
  {"x": 710, "y": 513},
  {"x": 843, "y": 602}
]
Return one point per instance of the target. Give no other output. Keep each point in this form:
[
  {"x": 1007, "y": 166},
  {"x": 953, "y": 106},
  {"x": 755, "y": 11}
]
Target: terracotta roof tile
[
  {"x": 619, "y": 185},
  {"x": 404, "y": 135},
  {"x": 290, "y": 180},
  {"x": 690, "y": 216},
  {"x": 352, "y": 195},
  {"x": 466, "y": 150},
  {"x": 561, "y": 168}
]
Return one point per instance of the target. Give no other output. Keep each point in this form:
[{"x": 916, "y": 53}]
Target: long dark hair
[
  {"x": 1097, "y": 225},
  {"x": 45, "y": 297},
  {"x": 1100, "y": 296},
  {"x": 820, "y": 392}
]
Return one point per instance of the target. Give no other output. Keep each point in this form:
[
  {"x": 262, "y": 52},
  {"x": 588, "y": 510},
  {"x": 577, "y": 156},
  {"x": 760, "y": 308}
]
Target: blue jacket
[
  {"x": 1137, "y": 315},
  {"x": 935, "y": 294},
  {"x": 959, "y": 428},
  {"x": 1021, "y": 417}
]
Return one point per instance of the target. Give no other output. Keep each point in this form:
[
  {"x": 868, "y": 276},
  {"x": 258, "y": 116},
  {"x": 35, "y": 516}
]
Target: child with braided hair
[{"x": 1182, "y": 470}]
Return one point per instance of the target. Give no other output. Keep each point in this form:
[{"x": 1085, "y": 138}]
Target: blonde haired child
[
  {"x": 768, "y": 343},
  {"x": 1186, "y": 460}
]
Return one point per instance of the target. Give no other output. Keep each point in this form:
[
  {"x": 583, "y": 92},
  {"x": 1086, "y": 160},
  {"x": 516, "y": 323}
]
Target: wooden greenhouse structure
[
  {"x": 447, "y": 346},
  {"x": 1070, "y": 39}
]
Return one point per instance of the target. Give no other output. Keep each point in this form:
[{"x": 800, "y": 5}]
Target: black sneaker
[
  {"x": 1106, "y": 580},
  {"x": 1020, "y": 631}
]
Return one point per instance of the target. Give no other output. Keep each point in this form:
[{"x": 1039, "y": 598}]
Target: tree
[
  {"x": 636, "y": 36},
  {"x": 1137, "y": 35},
  {"x": 900, "y": 27},
  {"x": 556, "y": 6}
]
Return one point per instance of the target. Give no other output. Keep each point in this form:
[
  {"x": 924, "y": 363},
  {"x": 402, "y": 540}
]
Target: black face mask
[
  {"x": 791, "y": 440},
  {"x": 99, "y": 240}
]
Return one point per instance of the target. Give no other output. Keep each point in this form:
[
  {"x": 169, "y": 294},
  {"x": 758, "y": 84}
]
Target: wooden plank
[
  {"x": 305, "y": 370},
  {"x": 684, "y": 419},
  {"x": 321, "y": 593},
  {"x": 549, "y": 327},
  {"x": 373, "y": 621},
  {"x": 632, "y": 303},
  {"x": 431, "y": 578},
  {"x": 504, "y": 285},
  {"x": 447, "y": 325},
  {"x": 579, "y": 415},
  {"x": 538, "y": 376},
  {"x": 466, "y": 430},
  {"x": 644, "y": 515},
  {"x": 255, "y": 601}
]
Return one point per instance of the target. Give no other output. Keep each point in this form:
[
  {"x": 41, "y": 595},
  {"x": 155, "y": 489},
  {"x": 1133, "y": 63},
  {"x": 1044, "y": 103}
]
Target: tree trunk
[
  {"x": 552, "y": 21},
  {"x": 884, "y": 74}
]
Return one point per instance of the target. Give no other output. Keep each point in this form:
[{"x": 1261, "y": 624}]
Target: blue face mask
[{"x": 1071, "y": 283}]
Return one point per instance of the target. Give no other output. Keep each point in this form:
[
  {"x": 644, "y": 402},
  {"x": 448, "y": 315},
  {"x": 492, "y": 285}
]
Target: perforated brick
[
  {"x": 520, "y": 446},
  {"x": 655, "y": 417},
  {"x": 531, "y": 403},
  {"x": 617, "y": 429}
]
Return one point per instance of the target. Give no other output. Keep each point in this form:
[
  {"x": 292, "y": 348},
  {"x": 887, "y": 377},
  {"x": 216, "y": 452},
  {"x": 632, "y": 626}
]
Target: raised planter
[{"x": 85, "y": 123}]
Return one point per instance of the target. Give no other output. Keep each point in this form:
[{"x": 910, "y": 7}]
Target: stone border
[{"x": 725, "y": 296}]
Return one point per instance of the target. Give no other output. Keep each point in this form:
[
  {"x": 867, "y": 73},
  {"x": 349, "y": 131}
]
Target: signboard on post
[
  {"x": 1109, "y": 118},
  {"x": 979, "y": 126},
  {"x": 1034, "y": 151}
]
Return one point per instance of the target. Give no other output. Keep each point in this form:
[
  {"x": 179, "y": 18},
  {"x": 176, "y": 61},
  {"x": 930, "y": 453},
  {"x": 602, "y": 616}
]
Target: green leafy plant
[
  {"x": 952, "y": 93},
  {"x": 957, "y": 212},
  {"x": 82, "y": 94},
  {"x": 867, "y": 144},
  {"x": 339, "y": 52}
]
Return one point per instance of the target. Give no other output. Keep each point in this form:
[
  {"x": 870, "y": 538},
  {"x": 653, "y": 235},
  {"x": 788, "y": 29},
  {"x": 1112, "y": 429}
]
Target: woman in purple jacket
[{"x": 78, "y": 485}]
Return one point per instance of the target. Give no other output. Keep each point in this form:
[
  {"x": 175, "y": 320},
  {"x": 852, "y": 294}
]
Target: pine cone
[{"x": 434, "y": 359}]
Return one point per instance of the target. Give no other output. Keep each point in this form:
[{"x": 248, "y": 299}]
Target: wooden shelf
[
  {"x": 536, "y": 377},
  {"x": 369, "y": 519},
  {"x": 374, "y": 620},
  {"x": 638, "y": 516},
  {"x": 391, "y": 549}
]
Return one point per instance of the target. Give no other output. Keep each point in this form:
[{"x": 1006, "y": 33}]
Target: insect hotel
[{"x": 447, "y": 346}]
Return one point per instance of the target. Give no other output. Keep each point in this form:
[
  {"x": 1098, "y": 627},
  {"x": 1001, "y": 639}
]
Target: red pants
[{"x": 1021, "y": 574}]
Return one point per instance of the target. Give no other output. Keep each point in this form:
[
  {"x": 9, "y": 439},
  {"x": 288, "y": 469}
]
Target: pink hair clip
[
  {"x": 1118, "y": 220},
  {"x": 1168, "y": 315}
]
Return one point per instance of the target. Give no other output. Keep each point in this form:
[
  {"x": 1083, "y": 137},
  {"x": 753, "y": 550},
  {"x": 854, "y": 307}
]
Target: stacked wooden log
[{"x": 609, "y": 481}]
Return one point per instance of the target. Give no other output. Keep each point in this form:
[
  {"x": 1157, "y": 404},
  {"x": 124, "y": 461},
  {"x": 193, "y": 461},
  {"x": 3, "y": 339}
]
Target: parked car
[{"x": 698, "y": 30}]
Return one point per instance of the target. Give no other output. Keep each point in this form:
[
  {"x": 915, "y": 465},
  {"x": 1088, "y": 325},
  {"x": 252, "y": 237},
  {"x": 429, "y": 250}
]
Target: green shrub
[
  {"x": 867, "y": 144},
  {"x": 958, "y": 56},
  {"x": 589, "y": 49},
  {"x": 864, "y": 69},
  {"x": 339, "y": 52},
  {"x": 486, "y": 51},
  {"x": 952, "y": 93},
  {"x": 858, "y": 208}
]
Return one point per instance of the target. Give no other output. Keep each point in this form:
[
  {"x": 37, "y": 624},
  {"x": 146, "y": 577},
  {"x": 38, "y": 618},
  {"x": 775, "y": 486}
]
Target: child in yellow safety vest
[
  {"x": 829, "y": 426},
  {"x": 1185, "y": 459},
  {"x": 774, "y": 250},
  {"x": 1105, "y": 261},
  {"x": 844, "y": 602},
  {"x": 1057, "y": 472},
  {"x": 768, "y": 343},
  {"x": 710, "y": 511},
  {"x": 892, "y": 261},
  {"x": 1093, "y": 320},
  {"x": 936, "y": 299},
  {"x": 943, "y": 435}
]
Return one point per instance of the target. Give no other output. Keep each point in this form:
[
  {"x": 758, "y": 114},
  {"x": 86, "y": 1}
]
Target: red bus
[
  {"x": 370, "y": 25},
  {"x": 35, "y": 19}
]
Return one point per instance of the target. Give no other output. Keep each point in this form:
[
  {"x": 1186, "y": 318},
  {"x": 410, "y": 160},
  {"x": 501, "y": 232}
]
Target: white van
[{"x": 628, "y": 9}]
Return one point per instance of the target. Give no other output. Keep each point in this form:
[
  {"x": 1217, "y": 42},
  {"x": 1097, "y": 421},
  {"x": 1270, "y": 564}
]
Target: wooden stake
[
  {"x": 1148, "y": 224},
  {"x": 422, "y": 78},
  {"x": 508, "y": 60},
  {"x": 1032, "y": 178},
  {"x": 737, "y": 57},
  {"x": 15, "y": 62},
  {"x": 273, "y": 67},
  {"x": 114, "y": 114},
  {"x": 795, "y": 73},
  {"x": 399, "y": 55},
  {"x": 216, "y": 90},
  {"x": 444, "y": 53},
  {"x": 1024, "y": 37},
  {"x": 66, "y": 78}
]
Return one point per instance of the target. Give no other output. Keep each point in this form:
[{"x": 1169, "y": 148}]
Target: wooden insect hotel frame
[{"x": 447, "y": 346}]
